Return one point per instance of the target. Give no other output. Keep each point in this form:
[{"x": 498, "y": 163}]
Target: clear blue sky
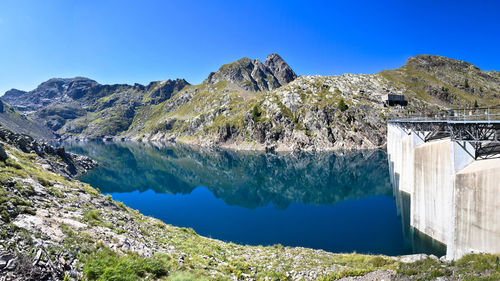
[{"x": 142, "y": 41}]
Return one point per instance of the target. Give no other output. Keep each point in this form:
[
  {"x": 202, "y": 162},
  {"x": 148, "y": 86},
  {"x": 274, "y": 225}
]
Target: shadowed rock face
[
  {"x": 253, "y": 75},
  {"x": 281, "y": 70}
]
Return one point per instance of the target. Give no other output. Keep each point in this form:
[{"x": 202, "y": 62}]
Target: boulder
[{"x": 3, "y": 154}]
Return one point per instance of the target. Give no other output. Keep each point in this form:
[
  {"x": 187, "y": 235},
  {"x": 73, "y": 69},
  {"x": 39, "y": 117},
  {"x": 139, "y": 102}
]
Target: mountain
[
  {"x": 248, "y": 104},
  {"x": 71, "y": 105},
  {"x": 443, "y": 81},
  {"x": 19, "y": 123},
  {"x": 253, "y": 75},
  {"x": 53, "y": 91}
]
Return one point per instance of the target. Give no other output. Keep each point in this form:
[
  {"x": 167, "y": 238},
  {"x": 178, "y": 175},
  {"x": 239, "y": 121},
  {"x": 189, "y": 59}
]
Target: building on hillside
[{"x": 392, "y": 100}]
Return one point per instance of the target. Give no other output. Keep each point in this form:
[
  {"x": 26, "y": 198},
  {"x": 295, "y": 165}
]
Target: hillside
[
  {"x": 248, "y": 104},
  {"x": 19, "y": 123},
  {"x": 53, "y": 227}
]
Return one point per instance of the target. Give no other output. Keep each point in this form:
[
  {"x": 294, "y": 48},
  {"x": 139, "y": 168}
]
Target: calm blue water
[{"x": 339, "y": 202}]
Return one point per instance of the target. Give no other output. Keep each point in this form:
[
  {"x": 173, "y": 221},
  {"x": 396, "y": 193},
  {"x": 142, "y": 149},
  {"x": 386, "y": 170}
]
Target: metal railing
[
  {"x": 477, "y": 126},
  {"x": 454, "y": 114}
]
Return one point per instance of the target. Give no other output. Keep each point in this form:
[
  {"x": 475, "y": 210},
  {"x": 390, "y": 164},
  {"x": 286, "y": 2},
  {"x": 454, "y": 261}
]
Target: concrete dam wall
[{"x": 453, "y": 198}]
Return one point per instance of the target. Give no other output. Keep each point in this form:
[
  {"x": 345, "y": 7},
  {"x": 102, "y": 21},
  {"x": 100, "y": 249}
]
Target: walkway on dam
[{"x": 476, "y": 130}]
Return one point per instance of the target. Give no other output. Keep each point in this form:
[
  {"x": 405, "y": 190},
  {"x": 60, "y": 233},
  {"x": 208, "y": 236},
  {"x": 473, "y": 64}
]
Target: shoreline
[{"x": 242, "y": 146}]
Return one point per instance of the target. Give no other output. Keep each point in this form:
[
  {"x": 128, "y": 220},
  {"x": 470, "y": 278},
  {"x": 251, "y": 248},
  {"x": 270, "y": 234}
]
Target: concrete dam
[{"x": 445, "y": 172}]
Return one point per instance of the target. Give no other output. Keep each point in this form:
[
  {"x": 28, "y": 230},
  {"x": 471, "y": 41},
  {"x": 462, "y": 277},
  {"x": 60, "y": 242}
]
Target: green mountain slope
[
  {"x": 17, "y": 122},
  {"x": 248, "y": 104}
]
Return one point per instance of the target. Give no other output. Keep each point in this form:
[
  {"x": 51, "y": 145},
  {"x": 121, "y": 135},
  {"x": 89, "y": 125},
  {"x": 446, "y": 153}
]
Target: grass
[
  {"x": 95, "y": 218},
  {"x": 203, "y": 258},
  {"x": 105, "y": 264}
]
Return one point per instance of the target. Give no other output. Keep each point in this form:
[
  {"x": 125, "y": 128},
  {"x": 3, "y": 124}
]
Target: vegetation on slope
[
  {"x": 52, "y": 227},
  {"x": 295, "y": 113}
]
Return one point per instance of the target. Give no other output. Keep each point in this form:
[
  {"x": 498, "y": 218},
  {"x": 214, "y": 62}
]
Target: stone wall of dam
[{"x": 453, "y": 198}]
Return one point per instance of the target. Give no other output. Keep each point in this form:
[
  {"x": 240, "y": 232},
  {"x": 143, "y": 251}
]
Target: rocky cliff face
[
  {"x": 248, "y": 104},
  {"x": 253, "y": 75}
]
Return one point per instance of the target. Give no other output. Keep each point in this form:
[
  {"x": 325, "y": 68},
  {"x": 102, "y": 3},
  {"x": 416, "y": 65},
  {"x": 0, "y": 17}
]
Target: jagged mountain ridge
[
  {"x": 253, "y": 75},
  {"x": 248, "y": 104}
]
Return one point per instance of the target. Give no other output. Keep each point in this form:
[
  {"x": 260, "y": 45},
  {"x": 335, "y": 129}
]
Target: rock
[
  {"x": 433, "y": 257},
  {"x": 281, "y": 70},
  {"x": 52, "y": 91},
  {"x": 72, "y": 165},
  {"x": 3, "y": 154},
  {"x": 412, "y": 258},
  {"x": 37, "y": 257},
  {"x": 11, "y": 264},
  {"x": 253, "y": 75}
]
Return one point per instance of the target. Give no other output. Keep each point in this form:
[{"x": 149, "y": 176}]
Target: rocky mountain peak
[
  {"x": 281, "y": 70},
  {"x": 13, "y": 93},
  {"x": 49, "y": 92},
  {"x": 253, "y": 75},
  {"x": 162, "y": 90}
]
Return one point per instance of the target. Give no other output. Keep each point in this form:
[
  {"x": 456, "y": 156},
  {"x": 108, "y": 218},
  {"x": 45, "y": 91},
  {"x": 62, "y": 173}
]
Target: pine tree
[
  {"x": 256, "y": 113},
  {"x": 342, "y": 105}
]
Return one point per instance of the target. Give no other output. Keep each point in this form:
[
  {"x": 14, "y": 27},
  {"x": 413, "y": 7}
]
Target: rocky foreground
[{"x": 54, "y": 227}]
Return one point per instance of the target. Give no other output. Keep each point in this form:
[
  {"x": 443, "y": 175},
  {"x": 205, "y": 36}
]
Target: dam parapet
[{"x": 448, "y": 165}]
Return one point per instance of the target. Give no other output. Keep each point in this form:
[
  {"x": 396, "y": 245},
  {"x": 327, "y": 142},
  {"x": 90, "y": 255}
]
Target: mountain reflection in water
[
  {"x": 336, "y": 201},
  {"x": 247, "y": 179}
]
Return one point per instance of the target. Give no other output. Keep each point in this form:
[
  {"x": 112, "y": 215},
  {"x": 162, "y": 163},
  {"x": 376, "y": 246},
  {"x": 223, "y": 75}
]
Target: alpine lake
[{"x": 336, "y": 201}]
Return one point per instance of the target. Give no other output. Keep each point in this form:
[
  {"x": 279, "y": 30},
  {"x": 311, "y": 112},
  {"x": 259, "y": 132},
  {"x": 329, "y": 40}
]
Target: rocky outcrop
[
  {"x": 3, "y": 154},
  {"x": 163, "y": 90},
  {"x": 18, "y": 266},
  {"x": 67, "y": 164},
  {"x": 253, "y": 75},
  {"x": 281, "y": 70}
]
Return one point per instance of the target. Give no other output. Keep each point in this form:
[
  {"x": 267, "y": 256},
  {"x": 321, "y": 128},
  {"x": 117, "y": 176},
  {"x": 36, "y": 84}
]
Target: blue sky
[{"x": 143, "y": 41}]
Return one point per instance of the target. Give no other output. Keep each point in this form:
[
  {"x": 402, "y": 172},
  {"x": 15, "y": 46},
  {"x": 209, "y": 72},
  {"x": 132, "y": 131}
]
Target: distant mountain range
[{"x": 248, "y": 104}]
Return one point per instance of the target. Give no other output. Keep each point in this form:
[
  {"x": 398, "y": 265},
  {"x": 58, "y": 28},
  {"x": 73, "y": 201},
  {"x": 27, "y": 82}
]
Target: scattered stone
[
  {"x": 11, "y": 264},
  {"x": 433, "y": 257},
  {"x": 412, "y": 258},
  {"x": 37, "y": 257}
]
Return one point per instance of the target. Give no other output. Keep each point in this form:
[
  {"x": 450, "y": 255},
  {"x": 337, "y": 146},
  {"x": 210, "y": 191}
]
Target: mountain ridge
[{"x": 248, "y": 104}]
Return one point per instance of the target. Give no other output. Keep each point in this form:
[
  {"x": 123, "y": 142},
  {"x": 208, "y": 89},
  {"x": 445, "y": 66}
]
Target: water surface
[{"x": 339, "y": 202}]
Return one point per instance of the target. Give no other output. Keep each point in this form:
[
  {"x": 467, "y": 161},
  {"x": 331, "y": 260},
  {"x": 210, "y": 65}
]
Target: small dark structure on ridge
[{"x": 392, "y": 100}]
